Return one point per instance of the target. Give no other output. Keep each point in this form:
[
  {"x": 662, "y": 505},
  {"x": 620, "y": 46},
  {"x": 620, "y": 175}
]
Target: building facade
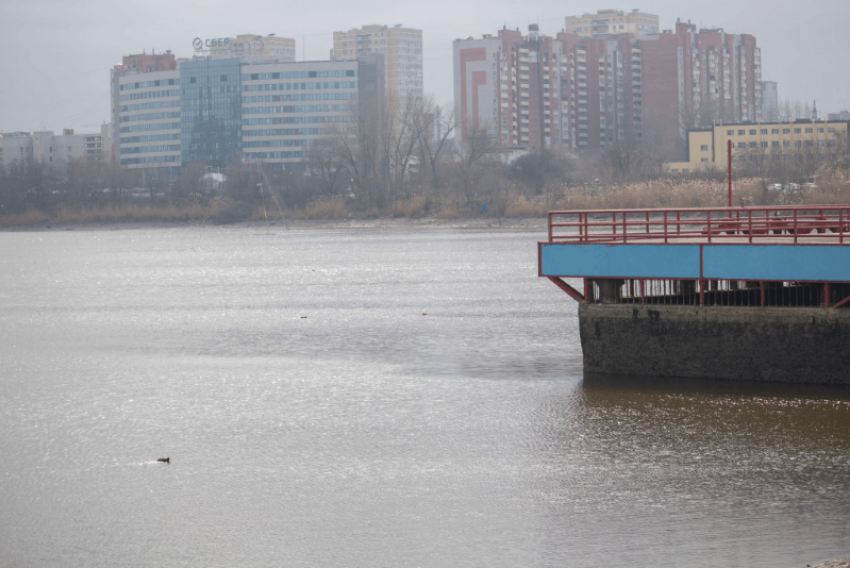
[
  {"x": 611, "y": 22},
  {"x": 538, "y": 92},
  {"x": 696, "y": 77},
  {"x": 250, "y": 48},
  {"x": 48, "y": 148},
  {"x": 707, "y": 148},
  {"x": 214, "y": 110},
  {"x": 588, "y": 92},
  {"x": 402, "y": 51},
  {"x": 769, "y": 101}
]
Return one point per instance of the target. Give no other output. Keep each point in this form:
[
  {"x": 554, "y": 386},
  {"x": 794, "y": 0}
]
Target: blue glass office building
[{"x": 210, "y": 111}]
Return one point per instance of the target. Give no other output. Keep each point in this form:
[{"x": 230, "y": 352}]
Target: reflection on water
[{"x": 366, "y": 433}]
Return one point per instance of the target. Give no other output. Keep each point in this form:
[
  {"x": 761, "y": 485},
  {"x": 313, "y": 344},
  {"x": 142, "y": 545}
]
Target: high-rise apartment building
[
  {"x": 537, "y": 91},
  {"x": 586, "y": 93},
  {"x": 611, "y": 22},
  {"x": 402, "y": 51},
  {"x": 698, "y": 77},
  {"x": 769, "y": 101}
]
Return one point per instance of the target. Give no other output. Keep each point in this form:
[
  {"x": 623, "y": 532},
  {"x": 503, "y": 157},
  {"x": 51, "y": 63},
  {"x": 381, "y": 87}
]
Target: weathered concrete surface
[{"x": 792, "y": 345}]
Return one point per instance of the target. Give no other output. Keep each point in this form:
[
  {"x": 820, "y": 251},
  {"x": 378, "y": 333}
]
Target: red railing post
[
  {"x": 665, "y": 227},
  {"x": 625, "y": 229},
  {"x": 750, "y": 226},
  {"x": 550, "y": 226},
  {"x": 795, "y": 226}
]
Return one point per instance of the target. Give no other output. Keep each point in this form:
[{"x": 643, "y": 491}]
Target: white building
[
  {"x": 50, "y": 149},
  {"x": 212, "y": 111}
]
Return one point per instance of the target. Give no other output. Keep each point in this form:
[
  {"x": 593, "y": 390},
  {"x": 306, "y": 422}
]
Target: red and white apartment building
[{"x": 616, "y": 78}]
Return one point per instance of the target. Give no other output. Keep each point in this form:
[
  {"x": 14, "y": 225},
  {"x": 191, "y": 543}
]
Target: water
[{"x": 315, "y": 417}]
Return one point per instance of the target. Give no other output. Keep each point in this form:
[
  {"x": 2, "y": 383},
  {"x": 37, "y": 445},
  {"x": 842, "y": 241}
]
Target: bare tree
[
  {"x": 433, "y": 126},
  {"x": 471, "y": 153}
]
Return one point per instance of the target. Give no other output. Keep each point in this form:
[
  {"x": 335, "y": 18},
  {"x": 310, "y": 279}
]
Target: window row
[
  {"x": 149, "y": 149},
  {"x": 149, "y": 138},
  {"x": 283, "y": 132},
  {"x": 145, "y": 106},
  {"x": 295, "y": 120},
  {"x": 150, "y": 116},
  {"x": 148, "y": 84},
  {"x": 788, "y": 144},
  {"x": 277, "y": 143},
  {"x": 294, "y": 108},
  {"x": 149, "y": 127},
  {"x": 299, "y": 75},
  {"x": 304, "y": 97},
  {"x": 149, "y": 160},
  {"x": 271, "y": 155},
  {"x": 314, "y": 85},
  {"x": 150, "y": 95},
  {"x": 808, "y": 130}
]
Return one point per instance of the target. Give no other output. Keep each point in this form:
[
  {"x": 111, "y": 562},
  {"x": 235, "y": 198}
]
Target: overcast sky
[{"x": 55, "y": 55}]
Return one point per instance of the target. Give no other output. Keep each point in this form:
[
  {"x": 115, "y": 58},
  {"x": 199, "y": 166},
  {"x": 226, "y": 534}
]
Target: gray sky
[{"x": 55, "y": 55}]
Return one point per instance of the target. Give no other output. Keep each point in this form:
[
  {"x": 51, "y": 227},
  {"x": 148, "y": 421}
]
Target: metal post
[{"x": 729, "y": 156}]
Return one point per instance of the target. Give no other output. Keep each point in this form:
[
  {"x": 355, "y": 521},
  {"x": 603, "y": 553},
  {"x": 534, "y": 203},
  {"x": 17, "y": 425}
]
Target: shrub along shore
[{"x": 507, "y": 204}]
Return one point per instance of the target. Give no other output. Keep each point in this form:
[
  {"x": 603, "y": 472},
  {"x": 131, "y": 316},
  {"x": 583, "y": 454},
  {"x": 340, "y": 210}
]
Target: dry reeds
[
  {"x": 30, "y": 217},
  {"x": 333, "y": 208},
  {"x": 413, "y": 207}
]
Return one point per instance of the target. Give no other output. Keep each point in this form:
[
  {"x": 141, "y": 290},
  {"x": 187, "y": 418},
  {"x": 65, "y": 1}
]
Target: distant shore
[
  {"x": 389, "y": 223},
  {"x": 840, "y": 563}
]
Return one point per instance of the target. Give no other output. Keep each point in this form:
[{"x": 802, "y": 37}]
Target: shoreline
[
  {"x": 838, "y": 563},
  {"x": 383, "y": 223}
]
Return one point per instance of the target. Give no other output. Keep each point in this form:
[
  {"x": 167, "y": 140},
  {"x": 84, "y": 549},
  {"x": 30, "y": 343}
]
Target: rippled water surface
[{"x": 315, "y": 416}]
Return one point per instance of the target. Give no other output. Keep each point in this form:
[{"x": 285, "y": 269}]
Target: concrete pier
[{"x": 799, "y": 345}]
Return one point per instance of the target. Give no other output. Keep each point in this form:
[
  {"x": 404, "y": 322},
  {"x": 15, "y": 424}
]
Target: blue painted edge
[
  {"x": 810, "y": 263},
  {"x": 620, "y": 261}
]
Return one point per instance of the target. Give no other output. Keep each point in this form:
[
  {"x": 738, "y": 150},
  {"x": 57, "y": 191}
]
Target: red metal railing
[{"x": 793, "y": 224}]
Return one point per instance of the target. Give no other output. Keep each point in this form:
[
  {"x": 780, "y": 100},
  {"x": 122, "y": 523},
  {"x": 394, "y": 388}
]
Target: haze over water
[{"x": 368, "y": 434}]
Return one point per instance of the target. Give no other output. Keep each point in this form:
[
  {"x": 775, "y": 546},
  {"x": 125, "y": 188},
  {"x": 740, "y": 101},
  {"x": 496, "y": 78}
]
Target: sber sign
[
  {"x": 199, "y": 44},
  {"x": 236, "y": 47}
]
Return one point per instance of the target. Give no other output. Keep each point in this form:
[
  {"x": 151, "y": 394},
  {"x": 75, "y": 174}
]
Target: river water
[{"x": 315, "y": 416}]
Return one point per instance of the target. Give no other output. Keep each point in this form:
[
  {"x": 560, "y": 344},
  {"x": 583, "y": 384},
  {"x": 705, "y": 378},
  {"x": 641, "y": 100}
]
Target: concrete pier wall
[{"x": 793, "y": 345}]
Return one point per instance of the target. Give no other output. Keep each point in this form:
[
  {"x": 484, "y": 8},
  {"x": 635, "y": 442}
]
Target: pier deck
[{"x": 779, "y": 256}]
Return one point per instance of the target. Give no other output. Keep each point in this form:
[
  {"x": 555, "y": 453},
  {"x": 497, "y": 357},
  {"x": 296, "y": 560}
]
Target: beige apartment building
[
  {"x": 707, "y": 148},
  {"x": 609, "y": 22},
  {"x": 402, "y": 51},
  {"x": 253, "y": 48}
]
